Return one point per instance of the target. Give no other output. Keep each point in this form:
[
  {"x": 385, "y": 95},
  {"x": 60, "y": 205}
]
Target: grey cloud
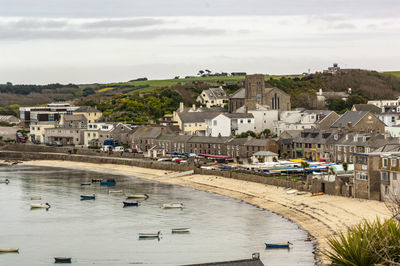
[
  {"x": 342, "y": 26},
  {"x": 27, "y": 23},
  {"x": 124, "y": 23},
  {"x": 63, "y": 29}
]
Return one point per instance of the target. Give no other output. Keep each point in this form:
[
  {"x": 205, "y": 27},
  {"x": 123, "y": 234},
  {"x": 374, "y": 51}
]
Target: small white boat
[
  {"x": 173, "y": 206},
  {"x": 114, "y": 191},
  {"x": 292, "y": 191},
  {"x": 5, "y": 181},
  {"x": 180, "y": 230},
  {"x": 40, "y": 205},
  {"x": 36, "y": 198},
  {"x": 137, "y": 196},
  {"x": 9, "y": 249},
  {"x": 150, "y": 236}
]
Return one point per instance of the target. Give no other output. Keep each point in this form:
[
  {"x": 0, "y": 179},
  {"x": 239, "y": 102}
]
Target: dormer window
[
  {"x": 335, "y": 137},
  {"x": 355, "y": 138}
]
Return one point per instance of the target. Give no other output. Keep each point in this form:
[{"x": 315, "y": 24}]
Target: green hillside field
[
  {"x": 150, "y": 85},
  {"x": 394, "y": 73}
]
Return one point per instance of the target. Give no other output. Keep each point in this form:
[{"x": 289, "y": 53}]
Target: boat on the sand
[
  {"x": 180, "y": 230},
  {"x": 40, "y": 205},
  {"x": 5, "y": 250},
  {"x": 280, "y": 245},
  {"x": 150, "y": 236},
  {"x": 114, "y": 191},
  {"x": 108, "y": 182},
  {"x": 137, "y": 196},
  {"x": 173, "y": 206},
  {"x": 127, "y": 204},
  {"x": 88, "y": 197},
  {"x": 86, "y": 183},
  {"x": 62, "y": 260}
]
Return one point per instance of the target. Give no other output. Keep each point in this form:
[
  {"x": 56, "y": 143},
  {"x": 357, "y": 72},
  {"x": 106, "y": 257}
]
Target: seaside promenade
[{"x": 323, "y": 216}]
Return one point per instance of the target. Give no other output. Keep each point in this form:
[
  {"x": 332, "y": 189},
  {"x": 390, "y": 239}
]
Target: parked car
[
  {"x": 57, "y": 144},
  {"x": 134, "y": 150},
  {"x": 118, "y": 148},
  {"x": 128, "y": 150},
  {"x": 35, "y": 141},
  {"x": 49, "y": 143}
]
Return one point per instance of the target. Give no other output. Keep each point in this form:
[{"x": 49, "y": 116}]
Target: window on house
[
  {"x": 394, "y": 176},
  {"x": 241, "y": 121},
  {"x": 339, "y": 148},
  {"x": 363, "y": 176},
  {"x": 394, "y": 162},
  {"x": 249, "y": 121},
  {"x": 214, "y": 122},
  {"x": 386, "y": 190},
  {"x": 385, "y": 162}
]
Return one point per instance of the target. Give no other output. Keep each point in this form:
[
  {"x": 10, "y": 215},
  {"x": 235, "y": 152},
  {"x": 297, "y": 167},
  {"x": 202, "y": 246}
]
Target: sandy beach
[{"x": 321, "y": 216}]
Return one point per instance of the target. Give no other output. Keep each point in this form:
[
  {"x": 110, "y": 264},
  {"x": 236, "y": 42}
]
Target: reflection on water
[{"x": 102, "y": 232}]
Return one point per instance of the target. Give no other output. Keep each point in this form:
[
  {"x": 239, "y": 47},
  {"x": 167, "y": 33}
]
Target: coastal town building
[
  {"x": 390, "y": 115},
  {"x": 367, "y": 108},
  {"x": 229, "y": 124},
  {"x": 51, "y": 112},
  {"x": 323, "y": 96},
  {"x": 263, "y": 117},
  {"x": 360, "y": 121},
  {"x": 255, "y": 92},
  {"x": 383, "y": 103},
  {"x": 37, "y": 130},
  {"x": 304, "y": 119},
  {"x": 91, "y": 113},
  {"x": 213, "y": 97},
  {"x": 96, "y": 133},
  {"x": 264, "y": 157}
]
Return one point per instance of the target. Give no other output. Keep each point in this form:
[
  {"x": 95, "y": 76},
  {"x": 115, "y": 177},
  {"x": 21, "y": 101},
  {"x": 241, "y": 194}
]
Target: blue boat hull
[
  {"x": 88, "y": 197},
  {"x": 126, "y": 204},
  {"x": 105, "y": 183},
  {"x": 276, "y": 245}
]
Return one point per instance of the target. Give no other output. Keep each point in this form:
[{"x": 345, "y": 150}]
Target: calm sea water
[{"x": 102, "y": 232}]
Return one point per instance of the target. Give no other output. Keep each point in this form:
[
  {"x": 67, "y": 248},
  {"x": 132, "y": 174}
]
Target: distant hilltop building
[
  {"x": 333, "y": 69},
  {"x": 255, "y": 92},
  {"x": 238, "y": 74}
]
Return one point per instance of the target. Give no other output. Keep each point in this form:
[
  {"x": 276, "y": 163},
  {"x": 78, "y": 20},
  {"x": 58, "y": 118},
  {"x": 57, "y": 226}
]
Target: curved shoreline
[{"x": 321, "y": 216}]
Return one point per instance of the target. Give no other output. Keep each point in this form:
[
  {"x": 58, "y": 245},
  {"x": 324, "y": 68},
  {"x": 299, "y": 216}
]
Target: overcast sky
[{"x": 117, "y": 40}]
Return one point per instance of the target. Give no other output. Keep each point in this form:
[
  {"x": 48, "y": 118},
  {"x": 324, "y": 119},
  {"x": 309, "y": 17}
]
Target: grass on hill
[
  {"x": 151, "y": 85},
  {"x": 394, "y": 73}
]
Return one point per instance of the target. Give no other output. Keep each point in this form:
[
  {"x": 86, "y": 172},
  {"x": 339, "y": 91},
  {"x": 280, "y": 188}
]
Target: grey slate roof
[
  {"x": 193, "y": 117},
  {"x": 86, "y": 109},
  {"x": 265, "y": 153},
  {"x": 204, "y": 139},
  {"x": 367, "y": 107},
  {"x": 216, "y": 93},
  {"x": 237, "y": 141},
  {"x": 239, "y": 115},
  {"x": 79, "y": 117},
  {"x": 240, "y": 94},
  {"x": 350, "y": 116},
  {"x": 150, "y": 132}
]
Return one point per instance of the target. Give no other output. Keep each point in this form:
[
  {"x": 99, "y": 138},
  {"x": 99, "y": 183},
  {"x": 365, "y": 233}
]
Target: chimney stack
[{"x": 180, "y": 107}]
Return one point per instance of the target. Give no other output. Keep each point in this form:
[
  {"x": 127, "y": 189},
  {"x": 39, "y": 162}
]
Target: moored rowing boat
[
  {"x": 9, "y": 250},
  {"x": 180, "y": 230}
]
